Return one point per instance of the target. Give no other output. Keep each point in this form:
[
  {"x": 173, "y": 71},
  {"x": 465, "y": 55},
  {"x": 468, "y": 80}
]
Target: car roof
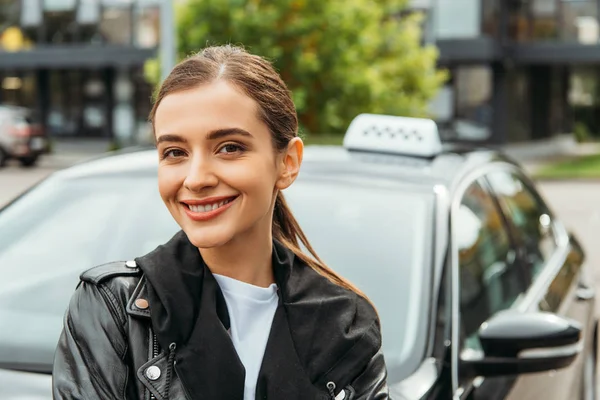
[{"x": 326, "y": 162}]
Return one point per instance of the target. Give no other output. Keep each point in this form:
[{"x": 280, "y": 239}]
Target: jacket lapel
[
  {"x": 138, "y": 303},
  {"x": 208, "y": 365},
  {"x": 281, "y": 375}
]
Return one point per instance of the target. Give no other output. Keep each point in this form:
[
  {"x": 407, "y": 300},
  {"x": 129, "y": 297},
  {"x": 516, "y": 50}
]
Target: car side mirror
[{"x": 517, "y": 343}]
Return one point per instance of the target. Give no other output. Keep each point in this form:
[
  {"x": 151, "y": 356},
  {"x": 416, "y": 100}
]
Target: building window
[
  {"x": 518, "y": 123},
  {"x": 9, "y": 13},
  {"x": 580, "y": 21},
  {"x": 116, "y": 23},
  {"x": 583, "y": 98},
  {"x": 473, "y": 93},
  {"x": 457, "y": 19},
  {"x": 60, "y": 26},
  {"x": 490, "y": 12},
  {"x": 566, "y": 20},
  {"x": 147, "y": 23},
  {"x": 544, "y": 22}
]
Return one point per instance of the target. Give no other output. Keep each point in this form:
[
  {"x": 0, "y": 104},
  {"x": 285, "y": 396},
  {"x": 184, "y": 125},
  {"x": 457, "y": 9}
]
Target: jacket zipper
[
  {"x": 154, "y": 355},
  {"x": 170, "y": 366},
  {"x": 331, "y": 388}
]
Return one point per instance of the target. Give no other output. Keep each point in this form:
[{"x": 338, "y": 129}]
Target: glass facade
[
  {"x": 107, "y": 101},
  {"x": 555, "y": 20},
  {"x": 461, "y": 19},
  {"x": 580, "y": 21},
  {"x": 490, "y": 16},
  {"x": 457, "y": 19},
  {"x": 528, "y": 20},
  {"x": 584, "y": 98},
  {"x": 48, "y": 22},
  {"x": 18, "y": 88},
  {"x": 502, "y": 90},
  {"x": 518, "y": 102},
  {"x": 473, "y": 96}
]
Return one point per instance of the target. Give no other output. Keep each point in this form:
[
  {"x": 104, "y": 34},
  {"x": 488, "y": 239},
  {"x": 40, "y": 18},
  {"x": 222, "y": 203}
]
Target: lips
[
  {"x": 210, "y": 206},
  {"x": 205, "y": 209}
]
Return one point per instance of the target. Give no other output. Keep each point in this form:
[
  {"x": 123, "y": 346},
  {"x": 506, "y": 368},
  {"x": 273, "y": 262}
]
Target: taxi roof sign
[{"x": 393, "y": 134}]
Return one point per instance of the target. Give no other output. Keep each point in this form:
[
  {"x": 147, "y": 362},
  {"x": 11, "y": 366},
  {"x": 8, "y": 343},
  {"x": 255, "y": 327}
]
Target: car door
[
  {"x": 490, "y": 279},
  {"x": 553, "y": 273}
]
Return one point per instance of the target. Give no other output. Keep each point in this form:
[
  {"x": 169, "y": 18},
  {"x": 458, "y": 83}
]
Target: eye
[
  {"x": 231, "y": 148},
  {"x": 173, "y": 153}
]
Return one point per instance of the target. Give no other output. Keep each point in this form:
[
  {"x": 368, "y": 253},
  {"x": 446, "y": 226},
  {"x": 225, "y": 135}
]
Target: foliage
[
  {"x": 579, "y": 167},
  {"x": 323, "y": 139},
  {"x": 339, "y": 57},
  {"x": 581, "y": 132}
]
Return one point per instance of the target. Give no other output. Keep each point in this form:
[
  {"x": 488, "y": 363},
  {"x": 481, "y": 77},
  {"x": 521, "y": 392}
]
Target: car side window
[
  {"x": 490, "y": 280},
  {"x": 531, "y": 221}
]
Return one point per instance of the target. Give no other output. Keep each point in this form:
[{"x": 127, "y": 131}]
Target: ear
[{"x": 290, "y": 163}]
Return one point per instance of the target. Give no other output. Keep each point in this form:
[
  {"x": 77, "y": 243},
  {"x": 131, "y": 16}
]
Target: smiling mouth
[{"x": 205, "y": 208}]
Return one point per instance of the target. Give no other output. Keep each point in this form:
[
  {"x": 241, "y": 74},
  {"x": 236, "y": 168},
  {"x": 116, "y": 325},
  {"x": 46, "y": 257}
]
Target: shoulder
[
  {"x": 109, "y": 285},
  {"x": 98, "y": 304},
  {"x": 337, "y": 298},
  {"x": 313, "y": 296},
  {"x": 336, "y": 331},
  {"x": 105, "y": 272}
]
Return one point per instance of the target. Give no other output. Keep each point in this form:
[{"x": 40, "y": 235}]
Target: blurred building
[
  {"x": 521, "y": 69},
  {"x": 79, "y": 63}
]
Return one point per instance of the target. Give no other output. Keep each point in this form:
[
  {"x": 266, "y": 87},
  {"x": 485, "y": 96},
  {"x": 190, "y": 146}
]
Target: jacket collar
[{"x": 138, "y": 303}]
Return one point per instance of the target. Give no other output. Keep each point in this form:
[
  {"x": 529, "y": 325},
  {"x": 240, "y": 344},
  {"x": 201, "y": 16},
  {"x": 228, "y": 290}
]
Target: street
[{"x": 15, "y": 180}]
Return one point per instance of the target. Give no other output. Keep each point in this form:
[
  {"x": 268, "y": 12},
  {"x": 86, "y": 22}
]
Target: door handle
[{"x": 585, "y": 293}]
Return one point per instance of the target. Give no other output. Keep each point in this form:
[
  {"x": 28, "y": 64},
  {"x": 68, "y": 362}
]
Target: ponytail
[{"x": 287, "y": 231}]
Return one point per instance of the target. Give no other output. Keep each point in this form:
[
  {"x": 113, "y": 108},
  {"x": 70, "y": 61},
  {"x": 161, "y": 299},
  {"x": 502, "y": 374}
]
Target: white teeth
[{"x": 208, "y": 207}]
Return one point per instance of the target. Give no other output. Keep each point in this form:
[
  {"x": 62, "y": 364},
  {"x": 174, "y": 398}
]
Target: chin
[{"x": 207, "y": 240}]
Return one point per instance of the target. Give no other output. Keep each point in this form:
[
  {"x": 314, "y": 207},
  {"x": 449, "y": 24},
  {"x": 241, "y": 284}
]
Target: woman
[{"x": 230, "y": 308}]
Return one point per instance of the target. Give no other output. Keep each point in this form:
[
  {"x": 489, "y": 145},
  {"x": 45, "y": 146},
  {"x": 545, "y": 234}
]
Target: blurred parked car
[
  {"x": 482, "y": 292},
  {"x": 21, "y": 136}
]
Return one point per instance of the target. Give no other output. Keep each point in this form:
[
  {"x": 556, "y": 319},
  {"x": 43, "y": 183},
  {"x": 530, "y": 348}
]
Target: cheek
[
  {"x": 168, "y": 182},
  {"x": 257, "y": 178}
]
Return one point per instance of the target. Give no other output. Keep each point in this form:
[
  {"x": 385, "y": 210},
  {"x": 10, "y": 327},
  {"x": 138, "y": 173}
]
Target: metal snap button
[
  {"x": 142, "y": 304},
  {"x": 131, "y": 264},
  {"x": 153, "y": 373}
]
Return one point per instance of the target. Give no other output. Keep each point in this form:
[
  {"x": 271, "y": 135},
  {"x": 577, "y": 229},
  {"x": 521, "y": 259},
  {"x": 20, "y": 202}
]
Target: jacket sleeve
[
  {"x": 371, "y": 384},
  {"x": 89, "y": 360}
]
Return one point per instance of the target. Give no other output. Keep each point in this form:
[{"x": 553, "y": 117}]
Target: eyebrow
[
  {"x": 212, "y": 135},
  {"x": 170, "y": 138},
  {"x": 221, "y": 133}
]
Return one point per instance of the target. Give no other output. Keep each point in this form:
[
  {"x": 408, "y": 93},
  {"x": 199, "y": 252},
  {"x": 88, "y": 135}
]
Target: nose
[{"x": 200, "y": 175}]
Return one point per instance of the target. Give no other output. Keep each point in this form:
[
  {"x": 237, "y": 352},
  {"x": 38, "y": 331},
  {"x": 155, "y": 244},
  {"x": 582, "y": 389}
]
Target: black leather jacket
[{"x": 109, "y": 347}]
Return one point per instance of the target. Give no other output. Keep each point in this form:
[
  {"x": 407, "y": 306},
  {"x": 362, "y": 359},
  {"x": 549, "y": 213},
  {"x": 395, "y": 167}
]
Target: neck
[{"x": 247, "y": 258}]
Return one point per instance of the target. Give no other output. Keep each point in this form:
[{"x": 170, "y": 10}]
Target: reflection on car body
[{"x": 482, "y": 292}]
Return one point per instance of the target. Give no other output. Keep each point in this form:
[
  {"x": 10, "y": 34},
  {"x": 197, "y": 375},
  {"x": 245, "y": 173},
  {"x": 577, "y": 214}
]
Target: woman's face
[{"x": 218, "y": 170}]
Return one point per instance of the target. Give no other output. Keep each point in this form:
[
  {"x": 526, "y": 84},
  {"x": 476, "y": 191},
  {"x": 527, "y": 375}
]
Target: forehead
[{"x": 214, "y": 105}]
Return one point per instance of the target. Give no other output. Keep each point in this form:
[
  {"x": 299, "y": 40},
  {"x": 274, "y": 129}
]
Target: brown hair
[{"x": 257, "y": 78}]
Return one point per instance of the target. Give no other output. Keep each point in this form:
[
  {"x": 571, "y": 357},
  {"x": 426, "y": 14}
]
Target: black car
[{"x": 481, "y": 291}]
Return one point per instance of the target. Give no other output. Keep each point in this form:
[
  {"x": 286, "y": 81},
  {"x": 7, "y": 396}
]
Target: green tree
[{"x": 339, "y": 58}]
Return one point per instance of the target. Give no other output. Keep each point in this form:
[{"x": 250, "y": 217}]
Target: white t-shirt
[{"x": 251, "y": 311}]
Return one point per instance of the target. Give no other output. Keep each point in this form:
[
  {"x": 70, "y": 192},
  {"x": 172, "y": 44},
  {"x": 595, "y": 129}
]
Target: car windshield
[{"x": 376, "y": 237}]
